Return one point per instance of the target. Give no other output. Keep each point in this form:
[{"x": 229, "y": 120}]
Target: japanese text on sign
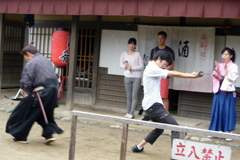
[
  {"x": 65, "y": 53},
  {"x": 189, "y": 150},
  {"x": 203, "y": 46}
]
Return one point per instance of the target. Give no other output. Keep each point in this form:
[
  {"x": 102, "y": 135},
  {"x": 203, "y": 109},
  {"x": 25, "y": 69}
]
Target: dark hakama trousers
[
  {"x": 224, "y": 114},
  {"x": 29, "y": 111}
]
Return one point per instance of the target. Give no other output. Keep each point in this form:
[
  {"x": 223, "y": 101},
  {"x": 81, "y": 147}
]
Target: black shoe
[
  {"x": 140, "y": 111},
  {"x": 135, "y": 149},
  {"x": 146, "y": 118},
  {"x": 20, "y": 140}
]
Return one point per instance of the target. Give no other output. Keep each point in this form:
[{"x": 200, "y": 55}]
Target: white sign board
[
  {"x": 189, "y": 150},
  {"x": 113, "y": 43}
]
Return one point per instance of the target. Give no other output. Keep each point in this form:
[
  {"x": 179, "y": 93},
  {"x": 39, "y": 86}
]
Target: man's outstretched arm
[{"x": 183, "y": 75}]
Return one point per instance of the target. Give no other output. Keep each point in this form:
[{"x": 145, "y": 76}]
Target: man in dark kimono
[{"x": 37, "y": 73}]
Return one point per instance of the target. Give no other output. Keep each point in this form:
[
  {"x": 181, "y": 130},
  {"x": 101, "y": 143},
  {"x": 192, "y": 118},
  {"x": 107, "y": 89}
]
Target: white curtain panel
[{"x": 197, "y": 55}]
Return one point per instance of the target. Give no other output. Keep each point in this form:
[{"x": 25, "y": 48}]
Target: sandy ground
[{"x": 94, "y": 141}]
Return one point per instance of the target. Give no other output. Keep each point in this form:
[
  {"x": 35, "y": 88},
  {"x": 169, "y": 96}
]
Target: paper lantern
[{"x": 60, "y": 48}]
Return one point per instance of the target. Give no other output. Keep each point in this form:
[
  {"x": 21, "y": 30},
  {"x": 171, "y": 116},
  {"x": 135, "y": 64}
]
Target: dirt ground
[{"x": 95, "y": 141}]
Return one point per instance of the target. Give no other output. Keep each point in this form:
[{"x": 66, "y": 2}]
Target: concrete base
[
  {"x": 82, "y": 98},
  {"x": 114, "y": 109}
]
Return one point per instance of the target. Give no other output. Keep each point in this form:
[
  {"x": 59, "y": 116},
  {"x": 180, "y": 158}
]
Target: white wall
[
  {"x": 113, "y": 43},
  {"x": 219, "y": 45}
]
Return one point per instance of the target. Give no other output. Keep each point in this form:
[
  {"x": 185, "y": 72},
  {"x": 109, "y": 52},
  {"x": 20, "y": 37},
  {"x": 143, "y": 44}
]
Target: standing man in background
[{"x": 162, "y": 37}]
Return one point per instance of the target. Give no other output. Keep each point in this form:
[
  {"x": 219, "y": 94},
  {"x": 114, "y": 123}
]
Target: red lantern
[{"x": 60, "y": 48}]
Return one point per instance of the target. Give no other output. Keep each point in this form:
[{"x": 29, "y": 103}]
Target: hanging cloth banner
[{"x": 194, "y": 51}]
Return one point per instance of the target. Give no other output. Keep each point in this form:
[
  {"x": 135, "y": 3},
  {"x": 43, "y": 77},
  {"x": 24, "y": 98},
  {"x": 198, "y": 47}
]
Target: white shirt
[
  {"x": 230, "y": 79},
  {"x": 151, "y": 84},
  {"x": 136, "y": 63}
]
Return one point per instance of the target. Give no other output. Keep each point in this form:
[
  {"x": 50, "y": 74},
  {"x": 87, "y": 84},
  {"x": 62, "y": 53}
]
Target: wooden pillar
[
  {"x": 25, "y": 41},
  {"x": 96, "y": 53},
  {"x": 1, "y": 46},
  {"x": 182, "y": 135},
  {"x": 73, "y": 138},
  {"x": 124, "y": 142},
  {"x": 72, "y": 63}
]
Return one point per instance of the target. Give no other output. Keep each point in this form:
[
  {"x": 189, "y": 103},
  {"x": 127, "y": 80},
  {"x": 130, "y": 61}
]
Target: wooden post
[
  {"x": 25, "y": 41},
  {"x": 1, "y": 46},
  {"x": 73, "y": 138},
  {"x": 124, "y": 141},
  {"x": 182, "y": 135},
  {"x": 72, "y": 63},
  {"x": 96, "y": 53}
]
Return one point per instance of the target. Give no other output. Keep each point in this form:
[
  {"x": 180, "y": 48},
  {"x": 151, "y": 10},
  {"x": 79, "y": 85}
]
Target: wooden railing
[{"x": 126, "y": 122}]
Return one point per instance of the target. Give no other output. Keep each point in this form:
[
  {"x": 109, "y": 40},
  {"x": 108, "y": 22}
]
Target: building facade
[{"x": 87, "y": 82}]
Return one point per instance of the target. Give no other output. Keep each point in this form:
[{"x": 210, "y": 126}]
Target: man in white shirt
[{"x": 152, "y": 102}]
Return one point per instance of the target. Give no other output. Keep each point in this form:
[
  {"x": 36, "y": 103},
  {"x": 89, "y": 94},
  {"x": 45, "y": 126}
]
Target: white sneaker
[
  {"x": 127, "y": 115},
  {"x": 228, "y": 139},
  {"x": 50, "y": 140},
  {"x": 130, "y": 116},
  {"x": 210, "y": 136}
]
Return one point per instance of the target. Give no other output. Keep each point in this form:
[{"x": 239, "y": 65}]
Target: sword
[
  {"x": 42, "y": 108},
  {"x": 201, "y": 73},
  {"x": 35, "y": 91}
]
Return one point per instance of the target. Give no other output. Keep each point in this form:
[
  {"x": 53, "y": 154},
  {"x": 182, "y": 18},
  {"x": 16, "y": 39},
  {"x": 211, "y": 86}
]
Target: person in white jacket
[
  {"x": 224, "y": 115},
  {"x": 152, "y": 102},
  {"x": 131, "y": 62}
]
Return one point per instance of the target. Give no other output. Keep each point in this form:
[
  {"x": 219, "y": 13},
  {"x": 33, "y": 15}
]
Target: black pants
[
  {"x": 28, "y": 111},
  {"x": 157, "y": 113}
]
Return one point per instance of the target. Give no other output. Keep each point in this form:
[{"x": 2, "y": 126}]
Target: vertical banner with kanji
[
  {"x": 194, "y": 51},
  {"x": 189, "y": 150}
]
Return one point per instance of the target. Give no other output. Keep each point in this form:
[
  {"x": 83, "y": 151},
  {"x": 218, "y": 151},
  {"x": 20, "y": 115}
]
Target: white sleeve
[
  {"x": 156, "y": 72},
  {"x": 233, "y": 74}
]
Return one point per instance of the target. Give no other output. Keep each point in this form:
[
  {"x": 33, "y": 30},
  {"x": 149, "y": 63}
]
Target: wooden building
[{"x": 87, "y": 83}]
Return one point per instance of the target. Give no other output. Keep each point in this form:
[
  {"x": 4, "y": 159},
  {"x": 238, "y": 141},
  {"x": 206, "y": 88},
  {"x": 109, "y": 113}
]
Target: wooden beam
[
  {"x": 124, "y": 142},
  {"x": 1, "y": 46},
  {"x": 96, "y": 53},
  {"x": 157, "y": 125},
  {"x": 182, "y": 21},
  {"x": 73, "y": 138},
  {"x": 72, "y": 63},
  {"x": 86, "y": 24},
  {"x": 126, "y": 122}
]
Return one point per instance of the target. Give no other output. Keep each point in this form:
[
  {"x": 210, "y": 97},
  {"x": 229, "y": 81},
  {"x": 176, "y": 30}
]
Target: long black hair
[
  {"x": 132, "y": 40},
  {"x": 231, "y": 51}
]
